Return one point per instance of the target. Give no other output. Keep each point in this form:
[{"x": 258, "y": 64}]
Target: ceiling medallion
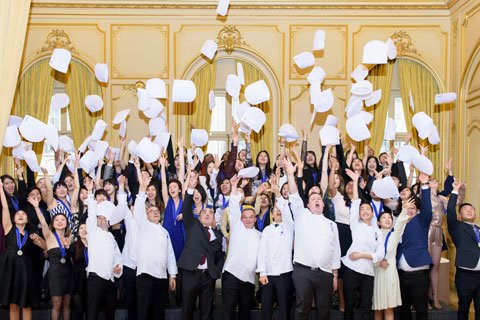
[
  {"x": 404, "y": 44},
  {"x": 229, "y": 37},
  {"x": 58, "y": 39}
]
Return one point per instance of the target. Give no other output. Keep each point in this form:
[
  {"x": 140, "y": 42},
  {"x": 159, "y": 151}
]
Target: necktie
[
  {"x": 477, "y": 233},
  {"x": 276, "y": 225},
  {"x": 204, "y": 257}
]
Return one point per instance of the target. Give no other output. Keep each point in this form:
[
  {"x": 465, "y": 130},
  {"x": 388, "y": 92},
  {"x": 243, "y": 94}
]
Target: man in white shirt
[
  {"x": 104, "y": 257},
  {"x": 238, "y": 279},
  {"x": 316, "y": 253},
  {"x": 155, "y": 257},
  {"x": 275, "y": 260}
]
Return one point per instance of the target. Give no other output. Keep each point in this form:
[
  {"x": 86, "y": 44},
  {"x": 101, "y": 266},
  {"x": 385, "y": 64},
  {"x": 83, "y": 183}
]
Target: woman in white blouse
[
  {"x": 386, "y": 287},
  {"x": 366, "y": 249}
]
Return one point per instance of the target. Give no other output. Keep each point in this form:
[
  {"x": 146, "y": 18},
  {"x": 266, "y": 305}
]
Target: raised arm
[
  {"x": 426, "y": 206},
  {"x": 98, "y": 177},
  {"x": 163, "y": 163},
  {"x": 350, "y": 155},
  {"x": 234, "y": 202},
  {"x": 6, "y": 221},
  {"x": 139, "y": 213},
  {"x": 187, "y": 210},
  {"x": 76, "y": 184},
  {"x": 248, "y": 150},
  {"x": 452, "y": 220},
  {"x": 45, "y": 228},
  {"x": 48, "y": 185},
  {"x": 303, "y": 153},
  {"x": 181, "y": 160}
]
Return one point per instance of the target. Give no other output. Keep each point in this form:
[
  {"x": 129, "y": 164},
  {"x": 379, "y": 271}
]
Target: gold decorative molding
[
  {"x": 229, "y": 37},
  {"x": 130, "y": 88},
  {"x": 58, "y": 39},
  {"x": 404, "y": 44}
]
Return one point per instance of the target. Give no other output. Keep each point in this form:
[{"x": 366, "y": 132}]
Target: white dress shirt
[
  {"x": 155, "y": 252},
  {"x": 204, "y": 265},
  {"x": 275, "y": 253},
  {"x": 129, "y": 252},
  {"x": 103, "y": 251},
  {"x": 366, "y": 239},
  {"x": 342, "y": 212},
  {"x": 243, "y": 246},
  {"x": 316, "y": 238}
]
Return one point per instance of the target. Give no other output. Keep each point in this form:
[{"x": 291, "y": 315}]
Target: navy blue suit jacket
[{"x": 414, "y": 244}]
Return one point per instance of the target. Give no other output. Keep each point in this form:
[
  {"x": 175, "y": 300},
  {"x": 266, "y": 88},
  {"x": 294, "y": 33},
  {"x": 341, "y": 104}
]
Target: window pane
[
  {"x": 400, "y": 116},
  {"x": 217, "y": 147},
  {"x": 217, "y": 123},
  {"x": 54, "y": 118},
  {"x": 67, "y": 116}
]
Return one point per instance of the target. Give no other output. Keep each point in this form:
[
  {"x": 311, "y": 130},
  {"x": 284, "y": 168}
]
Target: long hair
[
  {"x": 67, "y": 228},
  {"x": 158, "y": 199},
  {"x": 315, "y": 165},
  {"x": 268, "y": 166}
]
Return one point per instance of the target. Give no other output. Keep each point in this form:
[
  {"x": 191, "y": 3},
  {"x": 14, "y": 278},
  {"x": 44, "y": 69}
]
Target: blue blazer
[{"x": 414, "y": 244}]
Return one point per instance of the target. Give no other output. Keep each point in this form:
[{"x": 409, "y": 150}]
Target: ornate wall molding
[
  {"x": 229, "y": 37},
  {"x": 404, "y": 44},
  {"x": 58, "y": 39},
  {"x": 130, "y": 88}
]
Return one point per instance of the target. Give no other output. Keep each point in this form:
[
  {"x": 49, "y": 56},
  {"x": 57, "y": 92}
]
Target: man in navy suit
[
  {"x": 466, "y": 237},
  {"x": 413, "y": 258}
]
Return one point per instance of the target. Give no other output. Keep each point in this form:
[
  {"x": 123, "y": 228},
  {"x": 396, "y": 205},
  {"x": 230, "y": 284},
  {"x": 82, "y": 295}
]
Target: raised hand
[
  {"x": 34, "y": 202},
  {"x": 457, "y": 184},
  {"x": 353, "y": 175},
  {"x": 44, "y": 171},
  {"x": 163, "y": 160},
  {"x": 423, "y": 178},
  {"x": 121, "y": 180},
  {"x": 288, "y": 166},
  {"x": 423, "y": 149},
  {"x": 448, "y": 166},
  {"x": 89, "y": 185},
  {"x": 234, "y": 180}
]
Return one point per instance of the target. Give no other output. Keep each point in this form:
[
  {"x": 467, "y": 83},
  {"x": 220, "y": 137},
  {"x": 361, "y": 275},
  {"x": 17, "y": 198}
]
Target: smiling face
[
  {"x": 69, "y": 182},
  {"x": 433, "y": 184},
  {"x": 210, "y": 167},
  {"x": 262, "y": 158},
  {"x": 173, "y": 189},
  {"x": 366, "y": 213},
  {"x": 102, "y": 222},
  {"x": 35, "y": 194},
  {"x": 82, "y": 231},
  {"x": 310, "y": 158},
  {"x": 412, "y": 211},
  {"x": 153, "y": 215},
  {"x": 338, "y": 181},
  {"x": 357, "y": 165},
  {"x": 276, "y": 215},
  {"x": 41, "y": 185},
  {"x": 372, "y": 164},
  {"x": 249, "y": 218},
  {"x": 239, "y": 165},
  {"x": 386, "y": 221},
  {"x": 8, "y": 185},
  {"x": 315, "y": 203},
  {"x": 151, "y": 192},
  {"x": 225, "y": 187},
  {"x": 242, "y": 155},
  {"x": 197, "y": 197},
  {"x": 284, "y": 191},
  {"x": 20, "y": 218},
  {"x": 279, "y": 161},
  {"x": 349, "y": 188},
  {"x": 264, "y": 201},
  {"x": 59, "y": 222},
  {"x": 61, "y": 191},
  {"x": 405, "y": 193},
  {"x": 109, "y": 188},
  {"x": 83, "y": 195}
]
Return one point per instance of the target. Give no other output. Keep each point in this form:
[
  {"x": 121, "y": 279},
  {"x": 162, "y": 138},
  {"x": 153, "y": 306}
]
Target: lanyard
[
  {"x": 477, "y": 234},
  {"x": 377, "y": 212},
  {"x": 85, "y": 255},
  {"x": 314, "y": 173},
  {"x": 193, "y": 208},
  {"x": 224, "y": 203},
  {"x": 63, "y": 252},
  {"x": 261, "y": 221},
  {"x": 264, "y": 176},
  {"x": 386, "y": 241},
  {"x": 69, "y": 212},
  {"x": 15, "y": 203},
  {"x": 21, "y": 242}
]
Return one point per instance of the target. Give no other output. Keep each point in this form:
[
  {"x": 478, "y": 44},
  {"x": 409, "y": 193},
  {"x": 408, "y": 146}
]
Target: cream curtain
[
  {"x": 264, "y": 139},
  {"x": 13, "y": 27},
  {"x": 199, "y": 114},
  {"x": 381, "y": 78},
  {"x": 418, "y": 80},
  {"x": 80, "y": 82}
]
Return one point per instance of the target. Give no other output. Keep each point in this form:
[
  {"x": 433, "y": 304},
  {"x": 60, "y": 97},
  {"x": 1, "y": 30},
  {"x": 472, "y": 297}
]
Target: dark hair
[
  {"x": 220, "y": 184},
  {"x": 79, "y": 246},
  {"x": 67, "y": 227},
  {"x": 179, "y": 184},
  {"x": 268, "y": 166},
  {"x": 365, "y": 169},
  {"x": 383, "y": 213},
  {"x": 158, "y": 199},
  {"x": 112, "y": 181},
  {"x": 57, "y": 185},
  {"x": 315, "y": 165},
  {"x": 367, "y": 203},
  {"x": 464, "y": 205},
  {"x": 101, "y": 192},
  {"x": 202, "y": 192},
  {"x": 15, "y": 190}
]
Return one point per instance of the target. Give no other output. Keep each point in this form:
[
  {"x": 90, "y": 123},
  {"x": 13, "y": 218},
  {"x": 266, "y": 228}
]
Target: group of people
[{"x": 290, "y": 235}]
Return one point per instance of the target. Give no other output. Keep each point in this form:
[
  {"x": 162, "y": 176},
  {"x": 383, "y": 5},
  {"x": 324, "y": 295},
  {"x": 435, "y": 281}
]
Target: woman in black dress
[
  {"x": 16, "y": 268},
  {"x": 58, "y": 239},
  {"x": 79, "y": 282}
]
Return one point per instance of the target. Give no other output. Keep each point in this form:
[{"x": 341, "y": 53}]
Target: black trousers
[
  {"x": 468, "y": 289},
  {"x": 414, "y": 288},
  {"x": 281, "y": 288},
  {"x": 129, "y": 280},
  {"x": 310, "y": 284},
  {"x": 152, "y": 294},
  {"x": 101, "y": 296},
  {"x": 353, "y": 283},
  {"x": 197, "y": 284},
  {"x": 236, "y": 291}
]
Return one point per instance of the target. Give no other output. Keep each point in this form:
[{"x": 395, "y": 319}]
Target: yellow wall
[{"x": 143, "y": 41}]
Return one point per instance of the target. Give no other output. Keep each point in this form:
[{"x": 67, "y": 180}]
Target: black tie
[{"x": 276, "y": 225}]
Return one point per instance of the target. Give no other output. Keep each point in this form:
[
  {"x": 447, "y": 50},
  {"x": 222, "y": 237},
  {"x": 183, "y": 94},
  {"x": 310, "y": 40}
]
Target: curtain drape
[
  {"x": 13, "y": 27},
  {"x": 199, "y": 114},
  {"x": 80, "y": 82},
  {"x": 264, "y": 139},
  {"x": 381, "y": 78},
  {"x": 418, "y": 80}
]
